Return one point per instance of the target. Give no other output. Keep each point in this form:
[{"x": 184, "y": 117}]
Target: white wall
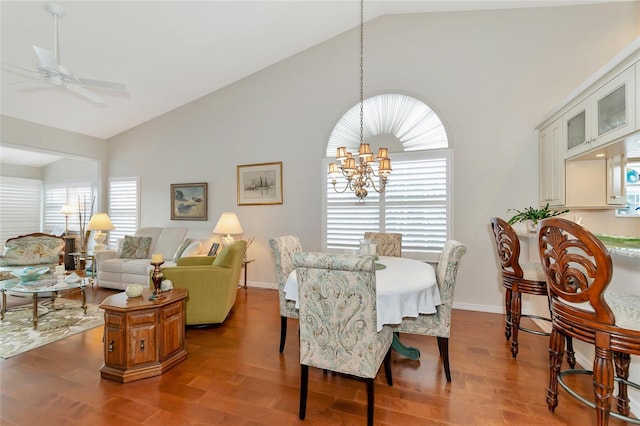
[
  {"x": 490, "y": 75},
  {"x": 85, "y": 156}
]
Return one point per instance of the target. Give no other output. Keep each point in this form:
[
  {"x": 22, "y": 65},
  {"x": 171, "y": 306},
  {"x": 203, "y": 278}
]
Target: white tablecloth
[{"x": 405, "y": 288}]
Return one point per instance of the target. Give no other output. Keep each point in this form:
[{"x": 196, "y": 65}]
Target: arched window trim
[{"x": 409, "y": 119}]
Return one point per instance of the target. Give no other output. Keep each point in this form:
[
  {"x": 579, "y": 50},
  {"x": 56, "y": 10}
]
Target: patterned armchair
[
  {"x": 439, "y": 324},
  {"x": 283, "y": 250},
  {"x": 338, "y": 331},
  {"x": 387, "y": 244}
]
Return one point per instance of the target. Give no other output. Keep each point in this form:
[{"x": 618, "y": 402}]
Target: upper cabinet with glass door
[{"x": 604, "y": 116}]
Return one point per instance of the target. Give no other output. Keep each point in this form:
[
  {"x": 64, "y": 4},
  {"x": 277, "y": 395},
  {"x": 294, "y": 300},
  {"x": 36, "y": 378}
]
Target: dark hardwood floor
[{"x": 234, "y": 375}]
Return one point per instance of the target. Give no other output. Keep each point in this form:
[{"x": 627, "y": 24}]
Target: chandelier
[{"x": 360, "y": 175}]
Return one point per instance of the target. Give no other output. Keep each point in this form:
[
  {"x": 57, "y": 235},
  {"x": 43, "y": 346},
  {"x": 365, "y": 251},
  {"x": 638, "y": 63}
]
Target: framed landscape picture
[
  {"x": 189, "y": 201},
  {"x": 259, "y": 184}
]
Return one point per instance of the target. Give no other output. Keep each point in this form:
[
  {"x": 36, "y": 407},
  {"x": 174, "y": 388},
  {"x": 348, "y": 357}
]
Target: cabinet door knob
[
  {"x": 111, "y": 343},
  {"x": 141, "y": 345}
]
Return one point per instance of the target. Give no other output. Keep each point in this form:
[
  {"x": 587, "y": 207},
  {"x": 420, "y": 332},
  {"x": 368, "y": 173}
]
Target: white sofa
[{"x": 117, "y": 273}]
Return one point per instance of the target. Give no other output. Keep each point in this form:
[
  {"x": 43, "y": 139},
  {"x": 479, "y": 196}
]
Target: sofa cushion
[
  {"x": 135, "y": 247},
  {"x": 168, "y": 241},
  {"x": 32, "y": 250}
]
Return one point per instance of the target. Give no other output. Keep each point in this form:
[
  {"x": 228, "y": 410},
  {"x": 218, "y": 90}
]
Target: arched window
[{"x": 416, "y": 202}]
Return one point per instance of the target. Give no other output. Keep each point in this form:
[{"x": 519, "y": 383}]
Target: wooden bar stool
[
  {"x": 518, "y": 279},
  {"x": 578, "y": 268}
]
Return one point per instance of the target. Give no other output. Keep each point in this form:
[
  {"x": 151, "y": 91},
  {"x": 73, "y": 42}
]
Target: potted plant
[{"x": 531, "y": 216}]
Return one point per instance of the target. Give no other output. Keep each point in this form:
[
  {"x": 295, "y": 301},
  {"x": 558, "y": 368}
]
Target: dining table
[{"x": 404, "y": 288}]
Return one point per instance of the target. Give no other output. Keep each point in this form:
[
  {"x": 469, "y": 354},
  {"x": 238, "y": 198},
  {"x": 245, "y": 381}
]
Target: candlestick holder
[{"x": 156, "y": 277}]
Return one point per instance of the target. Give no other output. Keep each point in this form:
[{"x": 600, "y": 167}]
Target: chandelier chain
[
  {"x": 359, "y": 171},
  {"x": 361, "y": 71}
]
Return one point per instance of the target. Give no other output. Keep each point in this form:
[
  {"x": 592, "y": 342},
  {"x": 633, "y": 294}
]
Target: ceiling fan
[{"x": 50, "y": 70}]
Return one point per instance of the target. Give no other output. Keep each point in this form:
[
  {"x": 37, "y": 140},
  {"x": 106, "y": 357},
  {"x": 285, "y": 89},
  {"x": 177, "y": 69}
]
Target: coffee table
[{"x": 47, "y": 287}]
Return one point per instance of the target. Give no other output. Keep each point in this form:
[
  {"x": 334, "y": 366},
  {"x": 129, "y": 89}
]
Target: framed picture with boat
[
  {"x": 189, "y": 201},
  {"x": 259, "y": 184}
]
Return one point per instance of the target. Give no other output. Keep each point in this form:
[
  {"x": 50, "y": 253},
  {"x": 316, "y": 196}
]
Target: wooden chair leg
[
  {"x": 603, "y": 384},
  {"x": 370, "y": 402},
  {"x": 556, "y": 348},
  {"x": 622, "y": 362},
  {"x": 387, "y": 367},
  {"x": 507, "y": 317},
  {"x": 304, "y": 384},
  {"x": 571, "y": 354},
  {"x": 283, "y": 332},
  {"x": 516, "y": 311},
  {"x": 443, "y": 347}
]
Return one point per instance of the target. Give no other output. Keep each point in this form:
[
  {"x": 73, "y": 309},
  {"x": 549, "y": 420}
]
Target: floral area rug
[{"x": 17, "y": 334}]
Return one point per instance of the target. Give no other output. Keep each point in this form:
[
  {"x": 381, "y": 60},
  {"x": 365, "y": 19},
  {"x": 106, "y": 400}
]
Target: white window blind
[
  {"x": 20, "y": 211},
  {"x": 415, "y": 204},
  {"x": 57, "y": 195},
  {"x": 123, "y": 207}
]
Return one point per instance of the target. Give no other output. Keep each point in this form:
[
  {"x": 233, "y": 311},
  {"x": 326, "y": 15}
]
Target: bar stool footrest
[{"x": 589, "y": 403}]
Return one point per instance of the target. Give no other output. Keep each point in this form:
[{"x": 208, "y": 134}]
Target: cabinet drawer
[
  {"x": 141, "y": 318},
  {"x": 116, "y": 320},
  {"x": 171, "y": 310}
]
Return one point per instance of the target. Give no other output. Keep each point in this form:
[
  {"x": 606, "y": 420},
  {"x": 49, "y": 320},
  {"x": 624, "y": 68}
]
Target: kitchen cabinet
[
  {"x": 552, "y": 168},
  {"x": 143, "y": 338},
  {"x": 609, "y": 113},
  {"x": 616, "y": 175}
]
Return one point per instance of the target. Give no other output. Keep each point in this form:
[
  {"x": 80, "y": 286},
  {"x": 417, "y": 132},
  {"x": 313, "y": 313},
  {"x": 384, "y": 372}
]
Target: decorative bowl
[
  {"x": 134, "y": 290},
  {"x": 29, "y": 273}
]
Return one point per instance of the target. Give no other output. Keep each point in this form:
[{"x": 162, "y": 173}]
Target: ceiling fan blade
[
  {"x": 46, "y": 59},
  {"x": 86, "y": 94},
  {"x": 102, "y": 83}
]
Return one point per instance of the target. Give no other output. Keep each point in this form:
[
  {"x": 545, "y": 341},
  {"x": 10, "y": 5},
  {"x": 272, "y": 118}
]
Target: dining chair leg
[
  {"x": 283, "y": 332},
  {"x": 370, "y": 401},
  {"x": 387, "y": 367},
  {"x": 443, "y": 347},
  {"x": 304, "y": 384}
]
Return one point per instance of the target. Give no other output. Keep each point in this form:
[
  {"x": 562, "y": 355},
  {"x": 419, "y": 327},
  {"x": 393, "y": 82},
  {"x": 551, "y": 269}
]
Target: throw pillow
[
  {"x": 181, "y": 249},
  {"x": 135, "y": 247},
  {"x": 192, "y": 249}
]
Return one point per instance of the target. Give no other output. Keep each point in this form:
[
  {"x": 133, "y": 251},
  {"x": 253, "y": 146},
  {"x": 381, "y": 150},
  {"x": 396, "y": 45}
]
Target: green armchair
[{"x": 212, "y": 283}]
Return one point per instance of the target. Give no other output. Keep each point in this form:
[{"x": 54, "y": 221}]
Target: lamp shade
[
  {"x": 228, "y": 224},
  {"x": 67, "y": 210},
  {"x": 100, "y": 222}
]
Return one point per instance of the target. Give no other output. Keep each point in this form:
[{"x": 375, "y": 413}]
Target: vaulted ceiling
[{"x": 168, "y": 53}]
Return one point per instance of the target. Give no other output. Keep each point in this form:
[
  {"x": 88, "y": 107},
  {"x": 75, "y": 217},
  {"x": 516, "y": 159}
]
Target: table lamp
[
  {"x": 228, "y": 224},
  {"x": 66, "y": 210},
  {"x": 100, "y": 222}
]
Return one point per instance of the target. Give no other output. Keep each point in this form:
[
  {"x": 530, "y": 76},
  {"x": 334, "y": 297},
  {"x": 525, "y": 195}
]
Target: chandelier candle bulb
[{"x": 156, "y": 258}]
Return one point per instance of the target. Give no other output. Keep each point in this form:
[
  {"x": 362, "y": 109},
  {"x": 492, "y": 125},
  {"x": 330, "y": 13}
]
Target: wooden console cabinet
[{"x": 143, "y": 338}]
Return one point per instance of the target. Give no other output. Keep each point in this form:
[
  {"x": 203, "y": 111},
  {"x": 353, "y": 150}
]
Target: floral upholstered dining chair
[
  {"x": 439, "y": 324},
  {"x": 283, "y": 249},
  {"x": 338, "y": 320},
  {"x": 387, "y": 244}
]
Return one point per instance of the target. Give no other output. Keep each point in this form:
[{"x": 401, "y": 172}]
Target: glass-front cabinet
[{"x": 604, "y": 116}]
